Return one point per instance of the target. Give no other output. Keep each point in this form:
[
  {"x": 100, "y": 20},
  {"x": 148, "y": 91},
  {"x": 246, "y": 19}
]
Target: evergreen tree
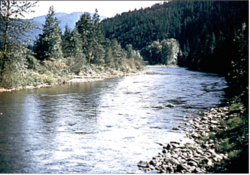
[
  {"x": 98, "y": 54},
  {"x": 97, "y": 28},
  {"x": 130, "y": 52},
  {"x": 109, "y": 59},
  {"x": 66, "y": 41},
  {"x": 166, "y": 51},
  {"x": 76, "y": 59},
  {"x": 75, "y": 44},
  {"x": 118, "y": 54},
  {"x": 214, "y": 23},
  {"x": 48, "y": 45},
  {"x": 85, "y": 29}
]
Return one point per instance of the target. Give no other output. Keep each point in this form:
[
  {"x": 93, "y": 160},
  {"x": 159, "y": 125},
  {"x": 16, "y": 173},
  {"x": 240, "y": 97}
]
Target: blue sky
[{"x": 105, "y": 8}]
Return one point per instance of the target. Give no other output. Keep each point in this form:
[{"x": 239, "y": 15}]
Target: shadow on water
[{"x": 103, "y": 126}]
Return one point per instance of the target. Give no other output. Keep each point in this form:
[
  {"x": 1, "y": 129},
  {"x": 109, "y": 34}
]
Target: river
[{"x": 100, "y": 127}]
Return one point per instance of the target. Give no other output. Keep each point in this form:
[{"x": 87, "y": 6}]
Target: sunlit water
[{"x": 100, "y": 127}]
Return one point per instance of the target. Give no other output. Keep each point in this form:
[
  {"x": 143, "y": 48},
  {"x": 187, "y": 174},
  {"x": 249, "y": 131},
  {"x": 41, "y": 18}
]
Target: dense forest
[
  {"x": 204, "y": 29},
  {"x": 55, "y": 56}
]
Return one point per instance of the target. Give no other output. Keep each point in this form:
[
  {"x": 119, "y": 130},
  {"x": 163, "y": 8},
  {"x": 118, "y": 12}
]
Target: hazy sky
[{"x": 105, "y": 8}]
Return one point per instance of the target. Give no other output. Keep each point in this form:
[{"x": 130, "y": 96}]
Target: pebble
[
  {"x": 174, "y": 128},
  {"x": 170, "y": 105},
  {"x": 159, "y": 107}
]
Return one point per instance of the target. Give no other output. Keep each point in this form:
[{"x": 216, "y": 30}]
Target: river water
[{"x": 100, "y": 127}]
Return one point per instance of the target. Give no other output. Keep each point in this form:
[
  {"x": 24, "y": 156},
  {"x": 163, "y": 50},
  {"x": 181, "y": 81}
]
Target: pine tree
[
  {"x": 76, "y": 58},
  {"x": 85, "y": 29},
  {"x": 166, "y": 51},
  {"x": 130, "y": 52},
  {"x": 75, "y": 44},
  {"x": 97, "y": 28},
  {"x": 65, "y": 42},
  {"x": 98, "y": 54},
  {"x": 118, "y": 54},
  {"x": 109, "y": 59},
  {"x": 48, "y": 45}
]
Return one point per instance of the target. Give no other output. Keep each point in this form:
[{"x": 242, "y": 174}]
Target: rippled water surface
[{"x": 100, "y": 127}]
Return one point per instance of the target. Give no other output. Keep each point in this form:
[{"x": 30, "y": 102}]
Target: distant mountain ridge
[{"x": 64, "y": 19}]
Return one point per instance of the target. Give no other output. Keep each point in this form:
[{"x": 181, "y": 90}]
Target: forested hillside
[{"x": 204, "y": 29}]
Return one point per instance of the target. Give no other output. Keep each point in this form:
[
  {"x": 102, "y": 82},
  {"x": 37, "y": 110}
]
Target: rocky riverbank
[{"x": 196, "y": 157}]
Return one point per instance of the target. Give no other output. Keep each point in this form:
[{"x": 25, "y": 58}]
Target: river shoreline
[
  {"x": 88, "y": 78},
  {"x": 135, "y": 110},
  {"x": 164, "y": 65},
  {"x": 197, "y": 157}
]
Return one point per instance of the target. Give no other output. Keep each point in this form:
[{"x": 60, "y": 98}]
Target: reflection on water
[{"x": 100, "y": 127}]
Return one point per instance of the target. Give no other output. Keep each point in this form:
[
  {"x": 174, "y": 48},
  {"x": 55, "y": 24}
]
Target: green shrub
[
  {"x": 49, "y": 80},
  {"x": 235, "y": 122},
  {"x": 233, "y": 154},
  {"x": 56, "y": 66},
  {"x": 138, "y": 64},
  {"x": 131, "y": 64},
  {"x": 11, "y": 79},
  {"x": 33, "y": 63}
]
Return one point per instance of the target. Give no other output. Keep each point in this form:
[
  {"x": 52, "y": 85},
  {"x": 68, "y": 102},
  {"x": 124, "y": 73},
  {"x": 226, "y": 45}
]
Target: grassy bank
[{"x": 44, "y": 77}]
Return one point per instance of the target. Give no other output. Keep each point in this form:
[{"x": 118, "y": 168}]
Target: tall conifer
[{"x": 48, "y": 45}]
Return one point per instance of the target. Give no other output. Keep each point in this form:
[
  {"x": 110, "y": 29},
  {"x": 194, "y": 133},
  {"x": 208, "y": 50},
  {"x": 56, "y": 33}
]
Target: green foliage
[
  {"x": 139, "y": 65},
  {"x": 204, "y": 29},
  {"x": 33, "y": 63},
  {"x": 75, "y": 64},
  {"x": 233, "y": 154},
  {"x": 85, "y": 29},
  {"x": 11, "y": 79},
  {"x": 66, "y": 40},
  {"x": 118, "y": 54},
  {"x": 225, "y": 146},
  {"x": 98, "y": 54},
  {"x": 48, "y": 46},
  {"x": 84, "y": 49},
  {"x": 238, "y": 73},
  {"x": 159, "y": 52},
  {"x": 234, "y": 122},
  {"x": 13, "y": 29},
  {"x": 109, "y": 59},
  {"x": 56, "y": 66}
]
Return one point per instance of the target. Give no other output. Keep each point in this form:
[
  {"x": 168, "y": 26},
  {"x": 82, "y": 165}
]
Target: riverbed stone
[
  {"x": 135, "y": 172},
  {"x": 143, "y": 164},
  {"x": 158, "y": 107},
  {"x": 169, "y": 105},
  {"x": 193, "y": 157},
  {"x": 174, "y": 128}
]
